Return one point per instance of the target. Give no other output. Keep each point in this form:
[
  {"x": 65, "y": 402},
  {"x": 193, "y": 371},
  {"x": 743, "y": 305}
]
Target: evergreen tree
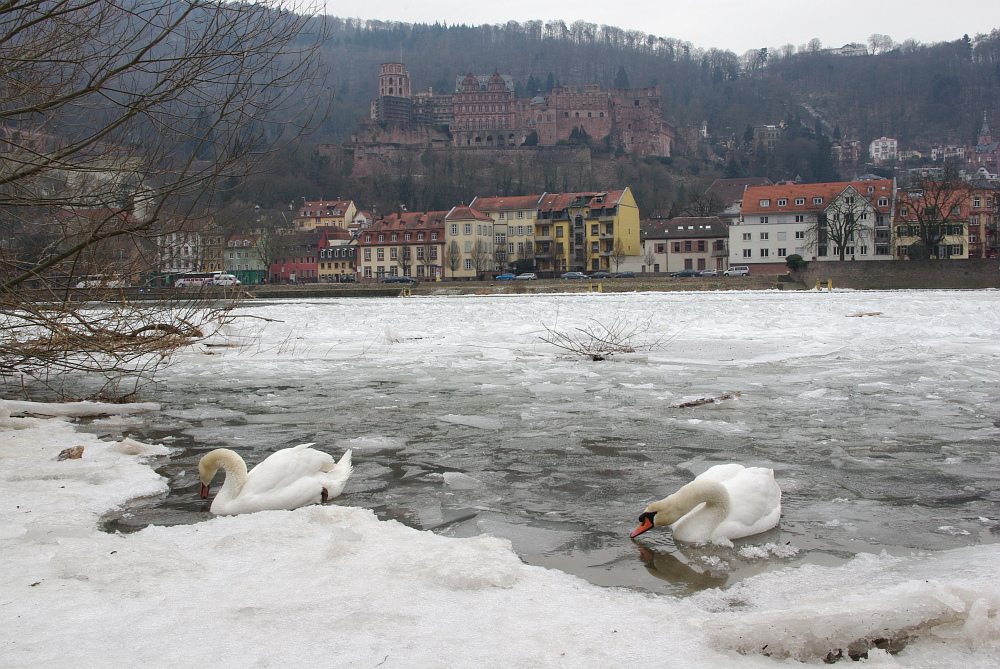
[{"x": 621, "y": 78}]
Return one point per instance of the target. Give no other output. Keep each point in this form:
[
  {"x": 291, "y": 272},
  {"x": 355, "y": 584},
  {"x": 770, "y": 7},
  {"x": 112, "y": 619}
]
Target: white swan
[
  {"x": 724, "y": 503},
  {"x": 286, "y": 479}
]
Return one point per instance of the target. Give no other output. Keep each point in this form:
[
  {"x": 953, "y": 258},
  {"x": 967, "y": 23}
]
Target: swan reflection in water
[{"x": 692, "y": 568}]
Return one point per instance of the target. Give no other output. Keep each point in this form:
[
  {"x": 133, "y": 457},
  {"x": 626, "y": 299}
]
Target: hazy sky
[{"x": 737, "y": 25}]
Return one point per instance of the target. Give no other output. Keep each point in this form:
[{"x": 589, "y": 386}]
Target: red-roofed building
[
  {"x": 786, "y": 219},
  {"x": 403, "y": 244}
]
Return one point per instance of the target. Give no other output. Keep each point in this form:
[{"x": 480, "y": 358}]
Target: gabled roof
[
  {"x": 814, "y": 197},
  {"x": 730, "y": 191},
  {"x": 466, "y": 214},
  {"x": 511, "y": 203},
  {"x": 593, "y": 200}
]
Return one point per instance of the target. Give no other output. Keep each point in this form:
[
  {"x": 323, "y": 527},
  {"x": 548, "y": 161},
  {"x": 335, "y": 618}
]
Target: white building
[{"x": 883, "y": 148}]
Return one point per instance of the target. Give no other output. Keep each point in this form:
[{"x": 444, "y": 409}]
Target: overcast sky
[{"x": 736, "y": 25}]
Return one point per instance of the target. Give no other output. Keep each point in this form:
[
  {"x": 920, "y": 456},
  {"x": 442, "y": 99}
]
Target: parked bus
[{"x": 195, "y": 279}]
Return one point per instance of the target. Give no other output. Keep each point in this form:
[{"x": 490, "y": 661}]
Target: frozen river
[{"x": 878, "y": 411}]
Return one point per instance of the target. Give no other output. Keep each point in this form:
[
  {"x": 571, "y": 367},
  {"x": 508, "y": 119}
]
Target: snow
[{"x": 335, "y": 586}]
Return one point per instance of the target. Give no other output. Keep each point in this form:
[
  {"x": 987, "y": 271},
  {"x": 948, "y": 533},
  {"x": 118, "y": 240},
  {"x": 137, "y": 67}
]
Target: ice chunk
[
  {"x": 460, "y": 481},
  {"x": 481, "y": 422}
]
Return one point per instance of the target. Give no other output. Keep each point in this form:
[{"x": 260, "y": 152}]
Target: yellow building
[
  {"x": 468, "y": 247},
  {"x": 514, "y": 221},
  {"x": 586, "y": 231},
  {"x": 325, "y": 213}
]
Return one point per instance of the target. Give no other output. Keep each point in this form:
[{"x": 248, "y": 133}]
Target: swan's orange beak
[
  {"x": 204, "y": 493},
  {"x": 645, "y": 524}
]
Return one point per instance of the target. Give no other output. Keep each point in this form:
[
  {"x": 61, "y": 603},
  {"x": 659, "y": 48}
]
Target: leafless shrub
[{"x": 599, "y": 341}]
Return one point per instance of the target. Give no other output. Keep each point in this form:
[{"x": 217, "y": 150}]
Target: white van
[
  {"x": 737, "y": 270},
  {"x": 225, "y": 280}
]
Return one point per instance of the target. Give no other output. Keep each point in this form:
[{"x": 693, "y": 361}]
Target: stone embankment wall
[{"x": 897, "y": 274}]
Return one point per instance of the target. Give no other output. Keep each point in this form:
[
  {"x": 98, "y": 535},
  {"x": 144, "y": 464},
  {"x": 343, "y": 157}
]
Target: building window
[
  {"x": 394, "y": 237},
  {"x": 747, "y": 253},
  {"x": 763, "y": 253},
  {"x": 393, "y": 253},
  {"x": 380, "y": 254},
  {"x": 764, "y": 235},
  {"x": 701, "y": 246},
  {"x": 467, "y": 228},
  {"x": 747, "y": 236},
  {"x": 782, "y": 202},
  {"x": 817, "y": 200},
  {"x": 763, "y": 219},
  {"x": 800, "y": 201},
  {"x": 800, "y": 234},
  {"x": 468, "y": 263},
  {"x": 765, "y": 203},
  {"x": 782, "y": 253},
  {"x": 520, "y": 214},
  {"x": 501, "y": 215},
  {"x": 434, "y": 236}
]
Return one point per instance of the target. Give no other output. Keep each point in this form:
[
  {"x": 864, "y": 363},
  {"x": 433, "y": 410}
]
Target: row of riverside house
[
  {"x": 762, "y": 224},
  {"x": 334, "y": 242}
]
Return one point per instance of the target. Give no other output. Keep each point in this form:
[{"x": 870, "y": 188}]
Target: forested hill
[{"x": 921, "y": 94}]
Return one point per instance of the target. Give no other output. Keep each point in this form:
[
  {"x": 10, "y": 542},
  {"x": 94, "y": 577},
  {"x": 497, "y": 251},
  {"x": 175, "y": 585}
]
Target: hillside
[{"x": 920, "y": 94}]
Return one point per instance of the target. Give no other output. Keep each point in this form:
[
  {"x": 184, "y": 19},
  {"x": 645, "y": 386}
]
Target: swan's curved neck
[
  {"x": 700, "y": 491},
  {"x": 231, "y": 463}
]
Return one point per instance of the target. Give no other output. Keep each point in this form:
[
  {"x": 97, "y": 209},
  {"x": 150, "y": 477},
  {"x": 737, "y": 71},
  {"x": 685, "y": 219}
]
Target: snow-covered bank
[{"x": 334, "y": 587}]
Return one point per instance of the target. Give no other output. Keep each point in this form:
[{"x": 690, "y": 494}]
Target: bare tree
[
  {"x": 120, "y": 121},
  {"x": 933, "y": 214},
  {"x": 703, "y": 206},
  {"x": 404, "y": 260},
  {"x": 618, "y": 254},
  {"x": 879, "y": 43},
  {"x": 848, "y": 222},
  {"x": 649, "y": 258},
  {"x": 452, "y": 257},
  {"x": 482, "y": 258}
]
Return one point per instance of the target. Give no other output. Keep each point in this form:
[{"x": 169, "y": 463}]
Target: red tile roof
[
  {"x": 826, "y": 192},
  {"x": 467, "y": 214},
  {"x": 506, "y": 203}
]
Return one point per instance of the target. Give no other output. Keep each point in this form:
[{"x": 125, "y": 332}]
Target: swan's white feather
[{"x": 287, "y": 479}]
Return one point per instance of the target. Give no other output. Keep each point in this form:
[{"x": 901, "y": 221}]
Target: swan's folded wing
[{"x": 284, "y": 468}]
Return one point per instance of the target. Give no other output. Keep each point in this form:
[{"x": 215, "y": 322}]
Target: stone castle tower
[{"x": 394, "y": 81}]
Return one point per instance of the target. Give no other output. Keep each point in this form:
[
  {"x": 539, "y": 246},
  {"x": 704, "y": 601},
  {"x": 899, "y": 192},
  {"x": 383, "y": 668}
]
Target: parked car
[
  {"x": 574, "y": 275},
  {"x": 527, "y": 276},
  {"x": 225, "y": 280},
  {"x": 686, "y": 272},
  {"x": 600, "y": 275},
  {"x": 504, "y": 277},
  {"x": 737, "y": 270},
  {"x": 710, "y": 272},
  {"x": 398, "y": 279},
  {"x": 625, "y": 275}
]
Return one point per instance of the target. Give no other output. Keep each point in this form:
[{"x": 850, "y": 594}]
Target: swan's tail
[
  {"x": 336, "y": 477},
  {"x": 345, "y": 463}
]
